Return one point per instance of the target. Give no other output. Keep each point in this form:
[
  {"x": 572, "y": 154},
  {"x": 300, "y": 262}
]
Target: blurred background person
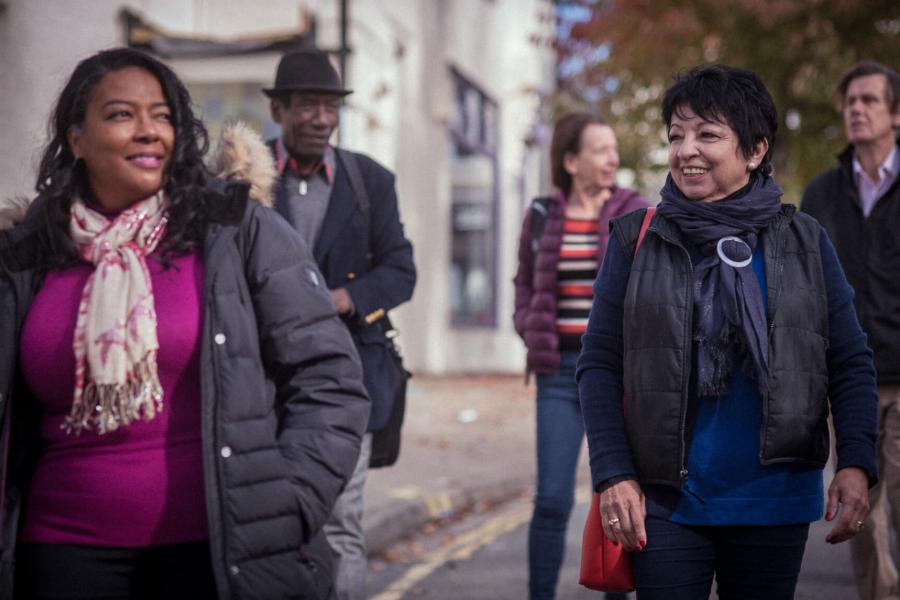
[
  {"x": 344, "y": 206},
  {"x": 858, "y": 204},
  {"x": 729, "y": 334},
  {"x": 563, "y": 240},
  {"x": 181, "y": 403}
]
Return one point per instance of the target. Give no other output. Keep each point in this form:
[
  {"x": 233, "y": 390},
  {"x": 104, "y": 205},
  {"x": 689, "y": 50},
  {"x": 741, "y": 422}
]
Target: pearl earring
[{"x": 751, "y": 166}]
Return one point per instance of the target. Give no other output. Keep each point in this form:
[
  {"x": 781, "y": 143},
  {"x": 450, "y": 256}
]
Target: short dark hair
[
  {"x": 870, "y": 67},
  {"x": 61, "y": 178},
  {"x": 567, "y": 139},
  {"x": 730, "y": 95}
]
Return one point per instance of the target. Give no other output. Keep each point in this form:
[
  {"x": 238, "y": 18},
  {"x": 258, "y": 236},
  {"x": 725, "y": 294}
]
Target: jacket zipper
[
  {"x": 6, "y": 397},
  {"x": 210, "y": 446},
  {"x": 4, "y": 466}
]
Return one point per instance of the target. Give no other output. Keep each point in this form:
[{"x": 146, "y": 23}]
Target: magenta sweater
[{"x": 141, "y": 485}]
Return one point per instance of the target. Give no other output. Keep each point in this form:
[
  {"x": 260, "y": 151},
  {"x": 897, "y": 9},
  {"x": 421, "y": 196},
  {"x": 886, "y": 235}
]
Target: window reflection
[{"x": 474, "y": 199}]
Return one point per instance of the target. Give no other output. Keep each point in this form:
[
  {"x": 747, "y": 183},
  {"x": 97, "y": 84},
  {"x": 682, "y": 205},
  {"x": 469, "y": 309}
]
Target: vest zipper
[
  {"x": 686, "y": 378},
  {"x": 685, "y": 386},
  {"x": 772, "y": 308}
]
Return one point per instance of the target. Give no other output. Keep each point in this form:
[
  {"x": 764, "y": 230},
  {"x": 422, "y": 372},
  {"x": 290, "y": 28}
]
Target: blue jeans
[
  {"x": 560, "y": 431},
  {"x": 680, "y": 561}
]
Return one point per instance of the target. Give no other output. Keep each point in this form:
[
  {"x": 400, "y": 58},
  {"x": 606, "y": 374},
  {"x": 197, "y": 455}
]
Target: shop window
[{"x": 474, "y": 202}]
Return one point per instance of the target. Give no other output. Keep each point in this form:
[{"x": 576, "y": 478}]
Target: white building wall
[
  {"x": 39, "y": 42},
  {"x": 399, "y": 114}
]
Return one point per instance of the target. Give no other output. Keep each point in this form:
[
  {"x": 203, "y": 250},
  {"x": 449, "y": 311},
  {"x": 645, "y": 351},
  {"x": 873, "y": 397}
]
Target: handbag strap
[
  {"x": 348, "y": 160},
  {"x": 645, "y": 224}
]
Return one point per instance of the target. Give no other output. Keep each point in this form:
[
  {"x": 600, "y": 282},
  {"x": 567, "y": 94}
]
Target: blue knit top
[{"x": 726, "y": 484}]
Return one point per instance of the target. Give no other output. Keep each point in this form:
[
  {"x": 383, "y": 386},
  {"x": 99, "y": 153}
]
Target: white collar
[{"x": 888, "y": 167}]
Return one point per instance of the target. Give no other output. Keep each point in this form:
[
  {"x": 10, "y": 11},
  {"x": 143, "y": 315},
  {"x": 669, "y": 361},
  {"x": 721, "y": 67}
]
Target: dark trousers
[
  {"x": 680, "y": 561},
  {"x": 63, "y": 571}
]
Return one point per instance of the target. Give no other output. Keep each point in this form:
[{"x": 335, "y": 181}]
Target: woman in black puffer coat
[{"x": 270, "y": 402}]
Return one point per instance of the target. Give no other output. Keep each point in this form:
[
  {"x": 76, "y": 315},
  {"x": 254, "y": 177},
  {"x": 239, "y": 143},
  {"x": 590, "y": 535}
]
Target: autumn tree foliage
[{"x": 622, "y": 54}]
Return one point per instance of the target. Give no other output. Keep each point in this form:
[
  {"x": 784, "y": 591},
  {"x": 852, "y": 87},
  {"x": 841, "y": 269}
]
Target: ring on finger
[
  {"x": 614, "y": 522},
  {"x": 859, "y": 525}
]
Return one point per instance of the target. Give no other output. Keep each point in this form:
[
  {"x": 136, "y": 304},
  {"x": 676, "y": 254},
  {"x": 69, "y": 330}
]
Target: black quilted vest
[{"x": 658, "y": 345}]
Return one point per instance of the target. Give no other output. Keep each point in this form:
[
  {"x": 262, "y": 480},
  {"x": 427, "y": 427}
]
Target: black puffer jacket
[{"x": 282, "y": 399}]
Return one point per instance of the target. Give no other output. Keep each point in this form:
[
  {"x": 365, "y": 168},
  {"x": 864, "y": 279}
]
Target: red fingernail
[{"x": 643, "y": 543}]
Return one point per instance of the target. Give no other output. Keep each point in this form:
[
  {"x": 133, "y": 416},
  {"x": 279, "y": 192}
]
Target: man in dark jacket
[
  {"x": 858, "y": 203},
  {"x": 345, "y": 206}
]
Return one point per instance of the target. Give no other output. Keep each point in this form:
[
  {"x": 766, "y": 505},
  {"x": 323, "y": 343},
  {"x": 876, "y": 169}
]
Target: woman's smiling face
[
  {"x": 705, "y": 160},
  {"x": 126, "y": 139}
]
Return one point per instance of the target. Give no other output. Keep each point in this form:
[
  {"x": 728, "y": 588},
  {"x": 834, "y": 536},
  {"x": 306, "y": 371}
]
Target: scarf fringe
[
  {"x": 722, "y": 354},
  {"x": 108, "y": 406},
  {"x": 721, "y": 364}
]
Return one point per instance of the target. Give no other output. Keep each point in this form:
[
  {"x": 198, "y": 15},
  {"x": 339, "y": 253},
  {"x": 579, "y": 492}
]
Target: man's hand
[
  {"x": 341, "y": 301},
  {"x": 850, "y": 490}
]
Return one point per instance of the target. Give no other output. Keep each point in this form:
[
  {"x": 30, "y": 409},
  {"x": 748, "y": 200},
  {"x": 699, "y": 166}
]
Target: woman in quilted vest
[
  {"x": 553, "y": 297},
  {"x": 716, "y": 348}
]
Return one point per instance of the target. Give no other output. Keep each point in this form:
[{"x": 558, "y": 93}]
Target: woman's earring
[{"x": 751, "y": 166}]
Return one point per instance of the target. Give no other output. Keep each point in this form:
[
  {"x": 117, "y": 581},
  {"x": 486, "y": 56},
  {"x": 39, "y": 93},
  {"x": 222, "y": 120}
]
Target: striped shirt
[{"x": 577, "y": 271}]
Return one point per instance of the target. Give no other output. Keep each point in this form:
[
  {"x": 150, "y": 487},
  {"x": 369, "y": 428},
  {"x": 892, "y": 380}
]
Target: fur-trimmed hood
[
  {"x": 12, "y": 211},
  {"x": 241, "y": 154}
]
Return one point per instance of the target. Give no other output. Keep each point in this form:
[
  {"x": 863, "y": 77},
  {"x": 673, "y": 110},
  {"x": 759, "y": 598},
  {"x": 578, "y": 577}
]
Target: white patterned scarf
[{"x": 115, "y": 343}]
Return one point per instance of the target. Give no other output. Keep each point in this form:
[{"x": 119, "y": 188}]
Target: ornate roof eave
[{"x": 144, "y": 35}]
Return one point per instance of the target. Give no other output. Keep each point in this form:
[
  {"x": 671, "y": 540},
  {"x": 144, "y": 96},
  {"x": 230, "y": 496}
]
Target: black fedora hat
[{"x": 306, "y": 71}]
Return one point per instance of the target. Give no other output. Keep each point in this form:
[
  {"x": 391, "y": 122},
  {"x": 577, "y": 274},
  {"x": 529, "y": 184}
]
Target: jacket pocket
[{"x": 317, "y": 569}]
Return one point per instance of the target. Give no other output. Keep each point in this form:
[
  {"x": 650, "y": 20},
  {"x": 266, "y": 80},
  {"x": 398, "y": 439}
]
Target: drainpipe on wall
[{"x": 343, "y": 51}]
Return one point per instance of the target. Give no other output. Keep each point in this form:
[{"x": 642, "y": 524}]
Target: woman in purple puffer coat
[{"x": 553, "y": 298}]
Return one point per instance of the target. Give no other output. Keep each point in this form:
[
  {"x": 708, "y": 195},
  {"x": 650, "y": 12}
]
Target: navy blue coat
[{"x": 340, "y": 254}]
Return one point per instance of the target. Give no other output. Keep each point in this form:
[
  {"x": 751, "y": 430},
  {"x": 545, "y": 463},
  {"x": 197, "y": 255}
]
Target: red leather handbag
[{"x": 605, "y": 565}]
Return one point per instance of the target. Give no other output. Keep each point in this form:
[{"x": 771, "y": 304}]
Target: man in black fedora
[{"x": 345, "y": 206}]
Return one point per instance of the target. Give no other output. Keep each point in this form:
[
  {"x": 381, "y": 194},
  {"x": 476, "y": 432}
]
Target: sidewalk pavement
[
  {"x": 466, "y": 440},
  {"x": 470, "y": 440}
]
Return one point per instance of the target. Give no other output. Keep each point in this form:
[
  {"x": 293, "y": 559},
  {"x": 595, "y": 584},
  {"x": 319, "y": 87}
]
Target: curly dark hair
[
  {"x": 730, "y": 95},
  {"x": 61, "y": 178}
]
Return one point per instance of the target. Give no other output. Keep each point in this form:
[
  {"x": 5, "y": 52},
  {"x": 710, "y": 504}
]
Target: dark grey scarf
[{"x": 729, "y": 317}]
